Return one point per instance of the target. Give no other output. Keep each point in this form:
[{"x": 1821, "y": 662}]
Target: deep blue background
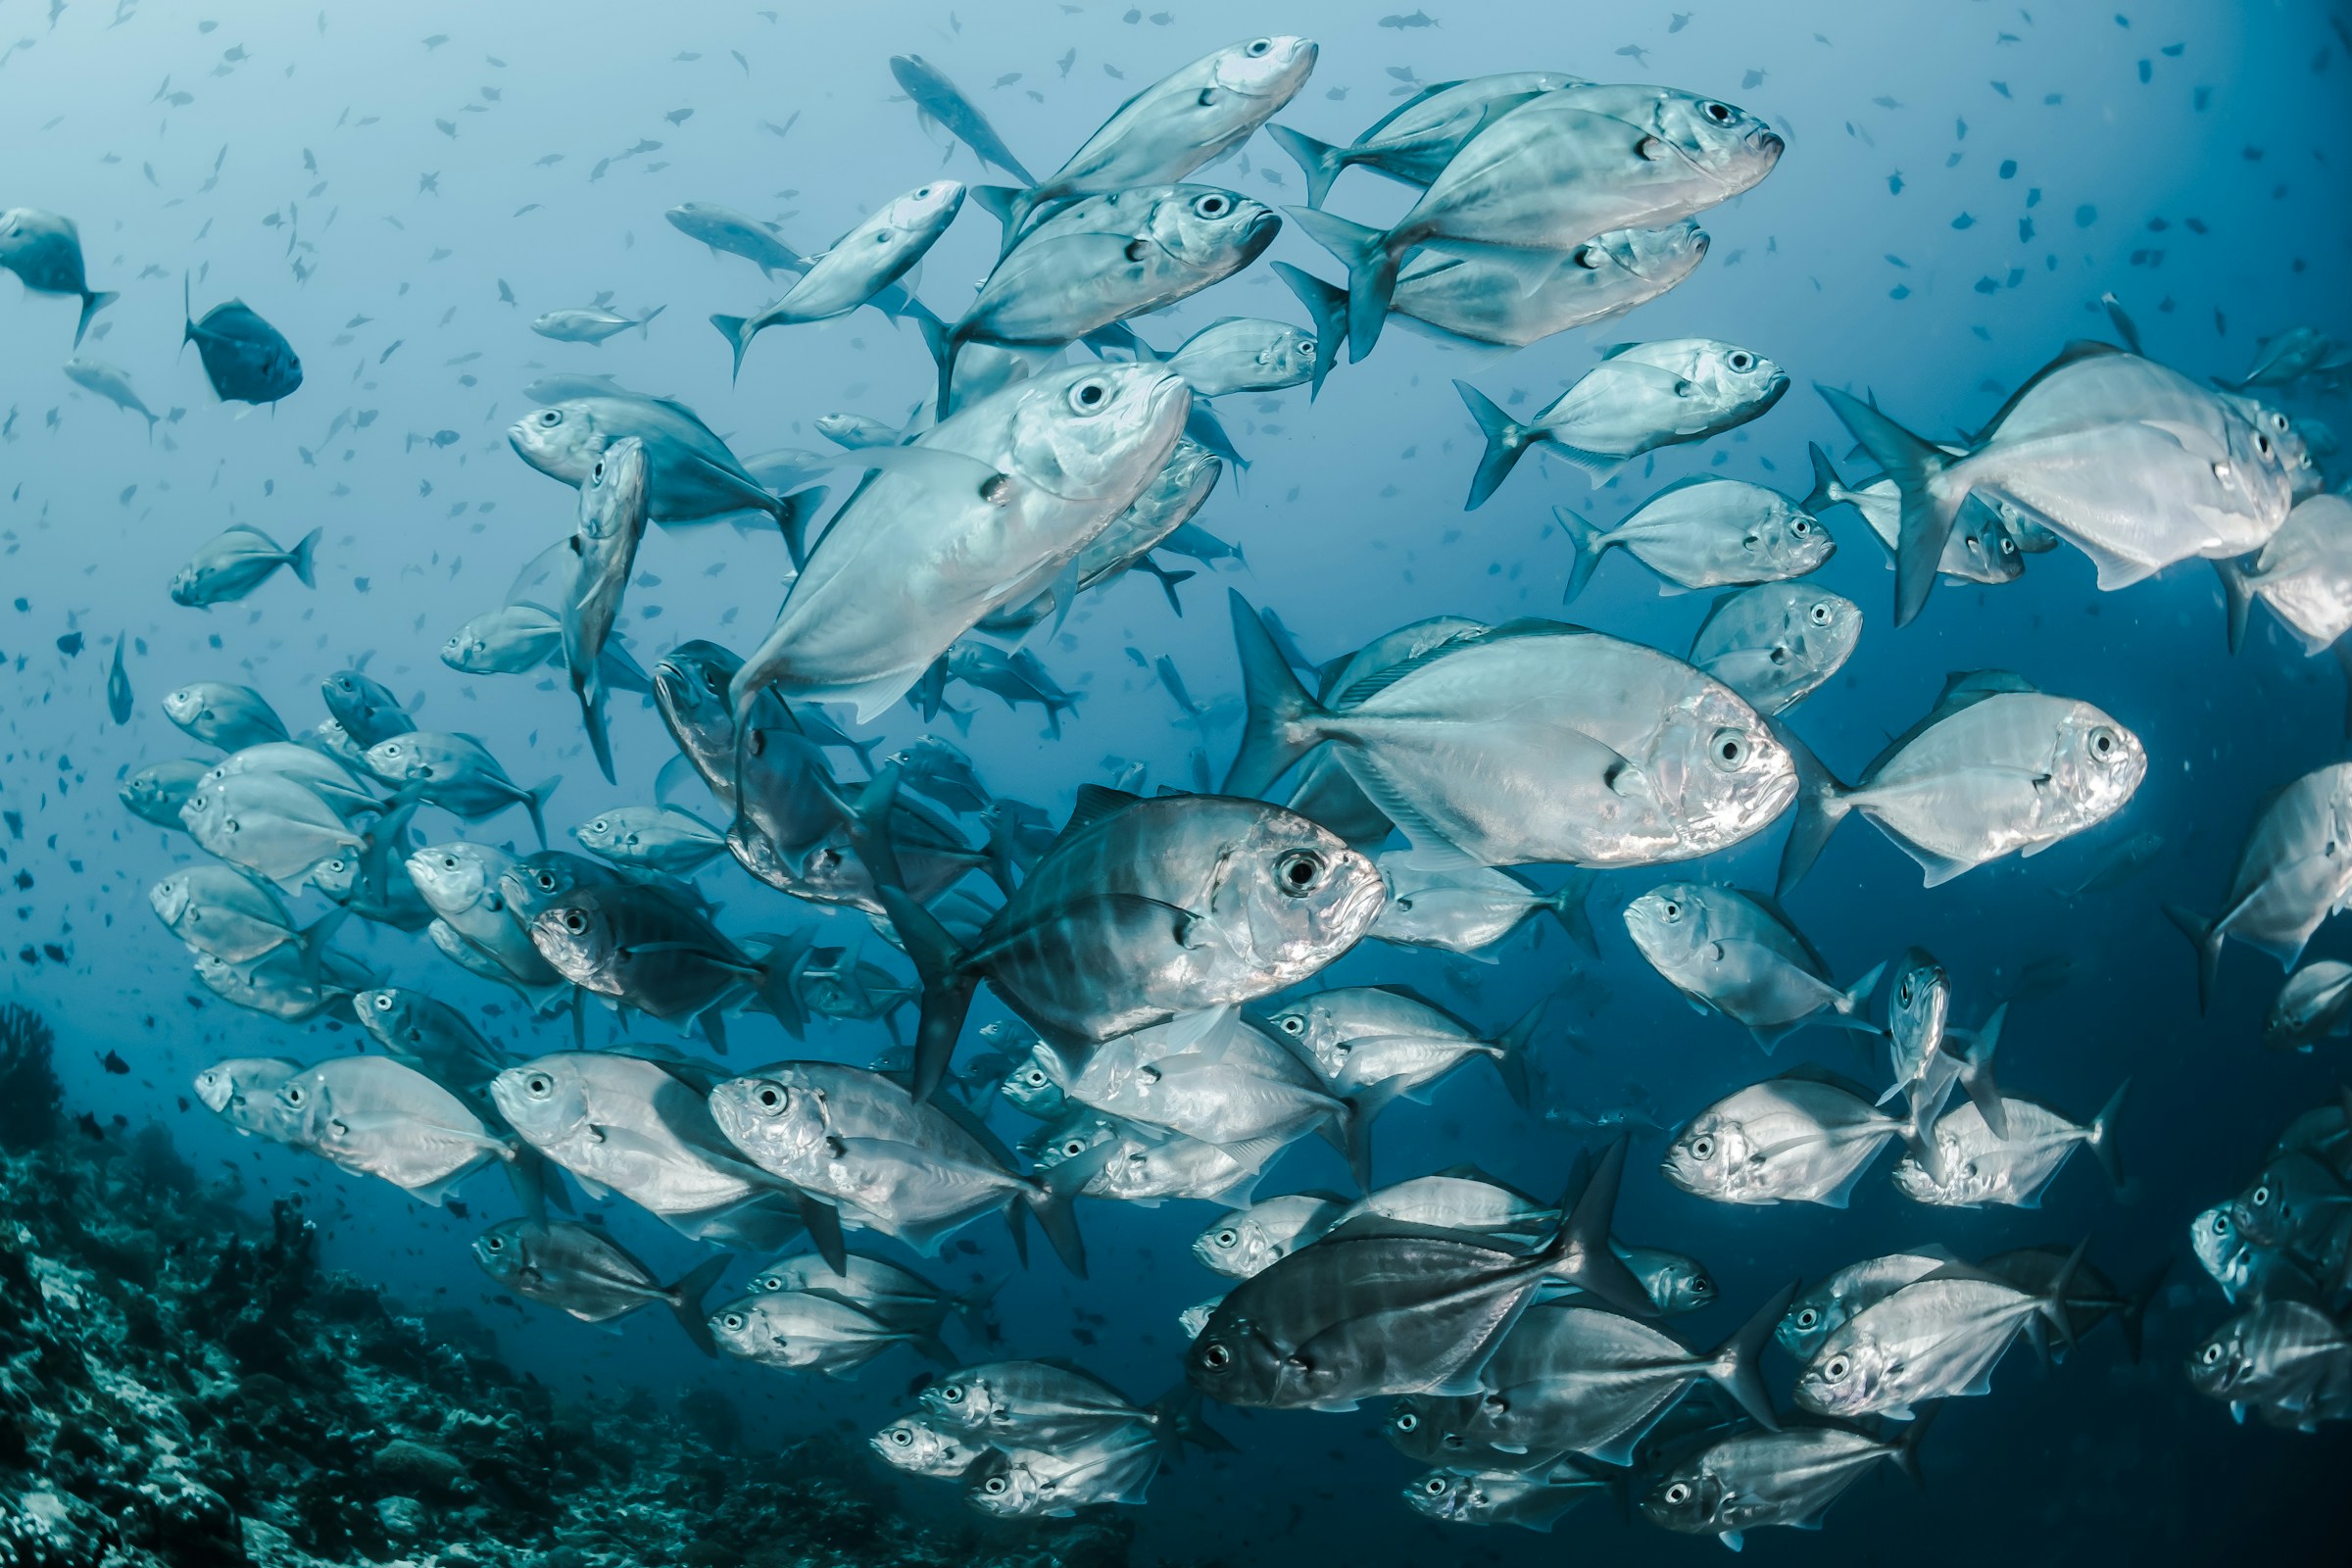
[{"x": 2122, "y": 128}]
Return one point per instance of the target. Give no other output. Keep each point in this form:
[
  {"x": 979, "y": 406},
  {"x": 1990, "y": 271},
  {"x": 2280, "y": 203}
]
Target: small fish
[
  {"x": 578, "y": 1270},
  {"x": 220, "y": 714},
  {"x": 730, "y": 231},
  {"x": 1705, "y": 533},
  {"x": 239, "y": 560},
  {"x": 45, "y": 250},
  {"x": 2315, "y": 1003},
  {"x": 1777, "y": 643},
  {"x": 860, "y": 266},
  {"x": 118, "y": 686},
  {"x": 113, "y": 385},
  {"x": 592, "y": 325}
]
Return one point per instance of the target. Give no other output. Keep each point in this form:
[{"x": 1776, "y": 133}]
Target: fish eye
[
  {"x": 1035, "y": 1077},
  {"x": 1298, "y": 871},
  {"x": 902, "y": 1437},
  {"x": 996, "y": 1486},
  {"x": 1820, "y": 613},
  {"x": 493, "y": 1244},
  {"x": 732, "y": 1320},
  {"x": 2213, "y": 1353},
  {"x": 1434, "y": 1485},
  {"x": 1742, "y": 359},
  {"x": 383, "y": 1002},
  {"x": 1678, "y": 1494},
  {"x": 1406, "y": 1421},
  {"x": 597, "y": 475},
  {"x": 2221, "y": 1224},
  {"x": 1228, "y": 1237},
  {"x": 1807, "y": 1318},
  {"x": 1260, "y": 47},
  {"x": 296, "y": 1094},
  {"x": 772, "y": 1098},
  {"x": 1088, "y": 395},
  {"x": 1903, "y": 994},
  {"x": 1212, "y": 205},
  {"x": 2105, "y": 742},
  {"x": 549, "y": 418},
  {"x": 1292, "y": 1023},
  {"x": 953, "y": 1393},
  {"x": 2008, "y": 546},
  {"x": 1729, "y": 750},
  {"x": 2258, "y": 1197},
  {"x": 1671, "y": 909},
  {"x": 1836, "y": 1368},
  {"x": 539, "y": 1085},
  {"x": 547, "y": 881},
  {"x": 1072, "y": 1148},
  {"x": 1721, "y": 113},
  {"x": 1702, "y": 1148},
  {"x": 2262, "y": 443},
  {"x": 1801, "y": 527},
  {"x": 575, "y": 921},
  {"x": 1702, "y": 1286},
  {"x": 1216, "y": 1357}
]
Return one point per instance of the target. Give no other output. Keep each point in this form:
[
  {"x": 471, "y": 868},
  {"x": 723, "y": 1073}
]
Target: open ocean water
[{"x": 402, "y": 190}]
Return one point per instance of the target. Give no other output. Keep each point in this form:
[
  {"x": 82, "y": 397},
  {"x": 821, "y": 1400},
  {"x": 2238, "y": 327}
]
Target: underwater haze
[{"x": 1191, "y": 811}]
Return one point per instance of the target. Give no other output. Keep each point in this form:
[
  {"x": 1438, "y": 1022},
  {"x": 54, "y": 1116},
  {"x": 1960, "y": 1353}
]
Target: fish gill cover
[{"x": 631, "y": 1070}]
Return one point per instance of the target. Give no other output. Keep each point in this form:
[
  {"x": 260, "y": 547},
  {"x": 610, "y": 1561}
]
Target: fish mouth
[{"x": 1771, "y": 145}]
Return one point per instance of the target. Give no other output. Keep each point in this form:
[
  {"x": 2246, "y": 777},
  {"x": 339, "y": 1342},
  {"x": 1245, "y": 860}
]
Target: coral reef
[
  {"x": 181, "y": 1386},
  {"x": 29, "y": 1095}
]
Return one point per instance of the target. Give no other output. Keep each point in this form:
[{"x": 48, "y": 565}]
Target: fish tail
[
  {"x": 1371, "y": 272},
  {"x": 647, "y": 320},
  {"x": 1738, "y": 1368},
  {"x": 1054, "y": 1196},
  {"x": 1176, "y": 1417},
  {"x": 1930, "y": 504},
  {"x": 303, "y": 559},
  {"x": 1009, "y": 207},
  {"x": 1585, "y": 546},
  {"x": 2101, "y": 1135},
  {"x": 1579, "y": 1254},
  {"x": 1821, "y": 804},
  {"x": 1510, "y": 1053},
  {"x": 534, "y": 1180},
  {"x": 1567, "y": 905},
  {"x": 588, "y": 686},
  {"x": 1506, "y": 443},
  {"x": 1204, "y": 426},
  {"x": 620, "y": 671},
  {"x": 1319, "y": 161},
  {"x": 1328, "y": 308},
  {"x": 1905, "y": 1453},
  {"x": 779, "y": 981},
  {"x": 2237, "y": 593},
  {"x": 940, "y": 338},
  {"x": 977, "y": 1305},
  {"x": 794, "y": 512},
  {"x": 738, "y": 333},
  {"x": 947, "y": 988},
  {"x": 2206, "y": 937},
  {"x": 1167, "y": 580},
  {"x": 685, "y": 1300},
  {"x": 1826, "y": 483},
  {"x": 534, "y": 801},
  {"x": 1350, "y": 1128},
  {"x": 381, "y": 841},
  {"x": 1279, "y": 707},
  {"x": 2134, "y": 1310},
  {"x": 1853, "y": 1003},
  {"x": 2053, "y": 1305},
  {"x": 1976, "y": 1074},
  {"x": 91, "y": 304},
  {"x": 312, "y": 940}
]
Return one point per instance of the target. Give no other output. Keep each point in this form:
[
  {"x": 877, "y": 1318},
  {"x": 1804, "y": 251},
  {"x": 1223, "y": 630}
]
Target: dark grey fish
[
  {"x": 118, "y": 686},
  {"x": 731, "y": 231},
  {"x": 44, "y": 249},
  {"x": 936, "y": 98},
  {"x": 578, "y": 1270},
  {"x": 245, "y": 357},
  {"x": 365, "y": 707}
]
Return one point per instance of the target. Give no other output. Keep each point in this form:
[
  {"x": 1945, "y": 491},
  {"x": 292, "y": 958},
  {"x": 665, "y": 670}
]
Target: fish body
[
  {"x": 1753, "y": 1480},
  {"x": 860, "y": 265},
  {"x": 1777, "y": 643},
  {"x": 430, "y": 1036},
  {"x": 243, "y": 1092},
  {"x": 1356, "y": 1038},
  {"x": 694, "y": 477},
  {"x": 236, "y": 562},
  {"x": 1979, "y": 1168},
  {"x": 797, "y": 1331},
  {"x": 365, "y": 707},
  {"x": 456, "y": 773},
  {"x": 1803, "y": 1138},
  {"x": 372, "y": 1117},
  {"x": 937, "y": 98},
  {"x": 1822, "y": 1308},
  {"x": 614, "y": 508},
  {"x": 268, "y": 824},
  {"x": 2303, "y": 573},
  {"x": 1244, "y": 1242},
  {"x": 580, "y": 1270},
  {"x": 2287, "y": 1360},
  {"x": 1706, "y": 533},
  {"x": 220, "y": 714},
  {"x": 45, "y": 250},
  {"x": 2291, "y": 874},
  {"x": 112, "y": 384},
  {"x": 592, "y": 325},
  {"x": 245, "y": 357},
  {"x": 1938, "y": 1338},
  {"x": 723, "y": 230},
  {"x": 2315, "y": 1003},
  {"x": 1244, "y": 354},
  {"x": 1413, "y": 142},
  {"x": 1739, "y": 954}
]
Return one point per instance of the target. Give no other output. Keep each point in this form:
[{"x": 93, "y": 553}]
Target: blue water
[{"x": 1963, "y": 182}]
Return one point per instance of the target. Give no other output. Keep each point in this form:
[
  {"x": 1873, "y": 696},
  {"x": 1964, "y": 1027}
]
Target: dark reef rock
[{"x": 181, "y": 1387}]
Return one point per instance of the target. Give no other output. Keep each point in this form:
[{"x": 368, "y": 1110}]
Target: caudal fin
[
  {"x": 1008, "y": 207},
  {"x": 647, "y": 321},
  {"x": 1579, "y": 1254},
  {"x": 1328, "y": 308},
  {"x": 1278, "y": 707},
  {"x": 91, "y": 305},
  {"x": 2206, "y": 937},
  {"x": 1319, "y": 161},
  {"x": 534, "y": 802},
  {"x": 1176, "y": 1416},
  {"x": 2238, "y": 594},
  {"x": 1506, "y": 443},
  {"x": 1852, "y": 1005},
  {"x": 302, "y": 559},
  {"x": 1976, "y": 1075},
  {"x": 779, "y": 981},
  {"x": 1930, "y": 506},
  {"x": 2133, "y": 1317},
  {"x": 794, "y": 513},
  {"x": 1510, "y": 1053},
  {"x": 1371, "y": 272},
  {"x": 739, "y": 333},
  {"x": 1054, "y": 1197},
  {"x": 686, "y": 1299},
  {"x": 1820, "y": 806},
  {"x": 2053, "y": 1305},
  {"x": 2101, "y": 1135},
  {"x": 1738, "y": 1368},
  {"x": 1567, "y": 905},
  {"x": 947, "y": 989},
  {"x": 1826, "y": 483},
  {"x": 1584, "y": 544}
]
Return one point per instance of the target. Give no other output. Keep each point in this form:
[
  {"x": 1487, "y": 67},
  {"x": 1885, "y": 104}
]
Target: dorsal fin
[
  {"x": 1097, "y": 802},
  {"x": 2074, "y": 353}
]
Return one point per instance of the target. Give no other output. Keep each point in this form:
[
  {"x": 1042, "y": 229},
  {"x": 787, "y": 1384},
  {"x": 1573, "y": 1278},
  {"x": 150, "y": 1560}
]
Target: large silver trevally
[
  {"x": 460, "y": 882},
  {"x": 430, "y": 1036},
  {"x": 372, "y": 1117},
  {"x": 860, "y": 265},
  {"x": 1533, "y": 743},
  {"x": 1187, "y": 120},
  {"x": 1997, "y": 767},
  {"x": 45, "y": 250},
  {"x": 1739, "y": 954},
  {"x": 1461, "y": 1197},
  {"x": 1358, "y": 1037},
  {"x": 1552, "y": 173},
  {"x": 2132, "y": 463},
  {"x": 2292, "y": 873},
  {"x": 693, "y": 476},
  {"x": 365, "y": 707},
  {"x": 522, "y": 636},
  {"x": 236, "y": 562},
  {"x": 1815, "y": 1313},
  {"x": 1324, "y": 789},
  {"x": 925, "y": 1445},
  {"x": 1145, "y": 911},
  {"x": 880, "y": 1288},
  {"x": 802, "y": 1332},
  {"x": 456, "y": 773},
  {"x": 2315, "y": 1003},
  {"x": 1127, "y": 541},
  {"x": 268, "y": 824},
  {"x": 1469, "y": 907},
  {"x": 1103, "y": 259},
  {"x": 286, "y": 983},
  {"x": 1938, "y": 1338},
  {"x": 725, "y": 229},
  {"x": 1244, "y": 354},
  {"x": 1979, "y": 1168},
  {"x": 1777, "y": 643},
  {"x": 1466, "y": 298},
  {"x": 221, "y": 713},
  {"x": 1236, "y": 1087},
  {"x": 1919, "y": 1043},
  {"x": 651, "y": 838},
  {"x": 611, "y": 524},
  {"x": 1414, "y": 141},
  {"x": 226, "y": 914},
  {"x": 1021, "y": 481},
  {"x": 648, "y": 950},
  {"x": 580, "y": 1270},
  {"x": 1982, "y": 548},
  {"x": 1804, "y": 1137},
  {"x": 1097, "y": 1156},
  {"x": 1376, "y": 1308},
  {"x": 1247, "y": 1241},
  {"x": 631, "y": 1126},
  {"x": 2287, "y": 1360},
  {"x": 1705, "y": 532},
  {"x": 1754, "y": 1479},
  {"x": 243, "y": 1092},
  {"x": 1640, "y": 397},
  {"x": 592, "y": 325},
  {"x": 157, "y": 792},
  {"x": 1574, "y": 1379},
  {"x": 2304, "y": 573},
  {"x": 1532, "y": 1501}
]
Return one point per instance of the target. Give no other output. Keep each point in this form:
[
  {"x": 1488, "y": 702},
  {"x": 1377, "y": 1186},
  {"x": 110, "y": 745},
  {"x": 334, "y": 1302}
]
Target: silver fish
[
  {"x": 1938, "y": 1338},
  {"x": 611, "y": 524},
  {"x": 653, "y": 838},
  {"x": 324, "y": 776},
  {"x": 1532, "y": 1502},
  {"x": 1978, "y": 1168},
  {"x": 456, "y": 773},
  {"x": 1739, "y": 954},
  {"x": 2315, "y": 1003},
  {"x": 220, "y": 714},
  {"x": 1237, "y": 1086},
  {"x": 1982, "y": 548},
  {"x": 2291, "y": 874},
  {"x": 1116, "y": 1465},
  {"x": 1018, "y": 482},
  {"x": 648, "y": 950},
  {"x": 268, "y": 824},
  {"x": 1615, "y": 755},
  {"x": 1997, "y": 767},
  {"x": 1183, "y": 121},
  {"x": 226, "y": 914},
  {"x": 879, "y": 1288},
  {"x": 592, "y": 325},
  {"x": 1753, "y": 1480},
  {"x": 724, "y": 230},
  {"x": 460, "y": 882},
  {"x": 430, "y": 1036},
  {"x": 157, "y": 792},
  {"x": 1131, "y": 1162},
  {"x": 2287, "y": 1360},
  {"x": 1414, "y": 141},
  {"x": 1640, "y": 397},
  {"x": 797, "y": 1331},
  {"x": 1244, "y": 354},
  {"x": 365, "y": 707},
  {"x": 239, "y": 560},
  {"x": 1817, "y": 1312},
  {"x": 858, "y": 266},
  {"x": 2304, "y": 573},
  {"x": 1777, "y": 643},
  {"x": 1358, "y": 1037},
  {"x": 45, "y": 250},
  {"x": 1468, "y": 908},
  {"x": 936, "y": 99},
  {"x": 1246, "y": 1241},
  {"x": 286, "y": 983},
  {"x": 1804, "y": 1137},
  {"x": 245, "y": 359},
  {"x": 695, "y": 478},
  {"x": 111, "y": 384},
  {"x": 1705, "y": 533},
  {"x": 372, "y": 1117},
  {"x": 580, "y": 1270},
  {"x": 243, "y": 1092}
]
